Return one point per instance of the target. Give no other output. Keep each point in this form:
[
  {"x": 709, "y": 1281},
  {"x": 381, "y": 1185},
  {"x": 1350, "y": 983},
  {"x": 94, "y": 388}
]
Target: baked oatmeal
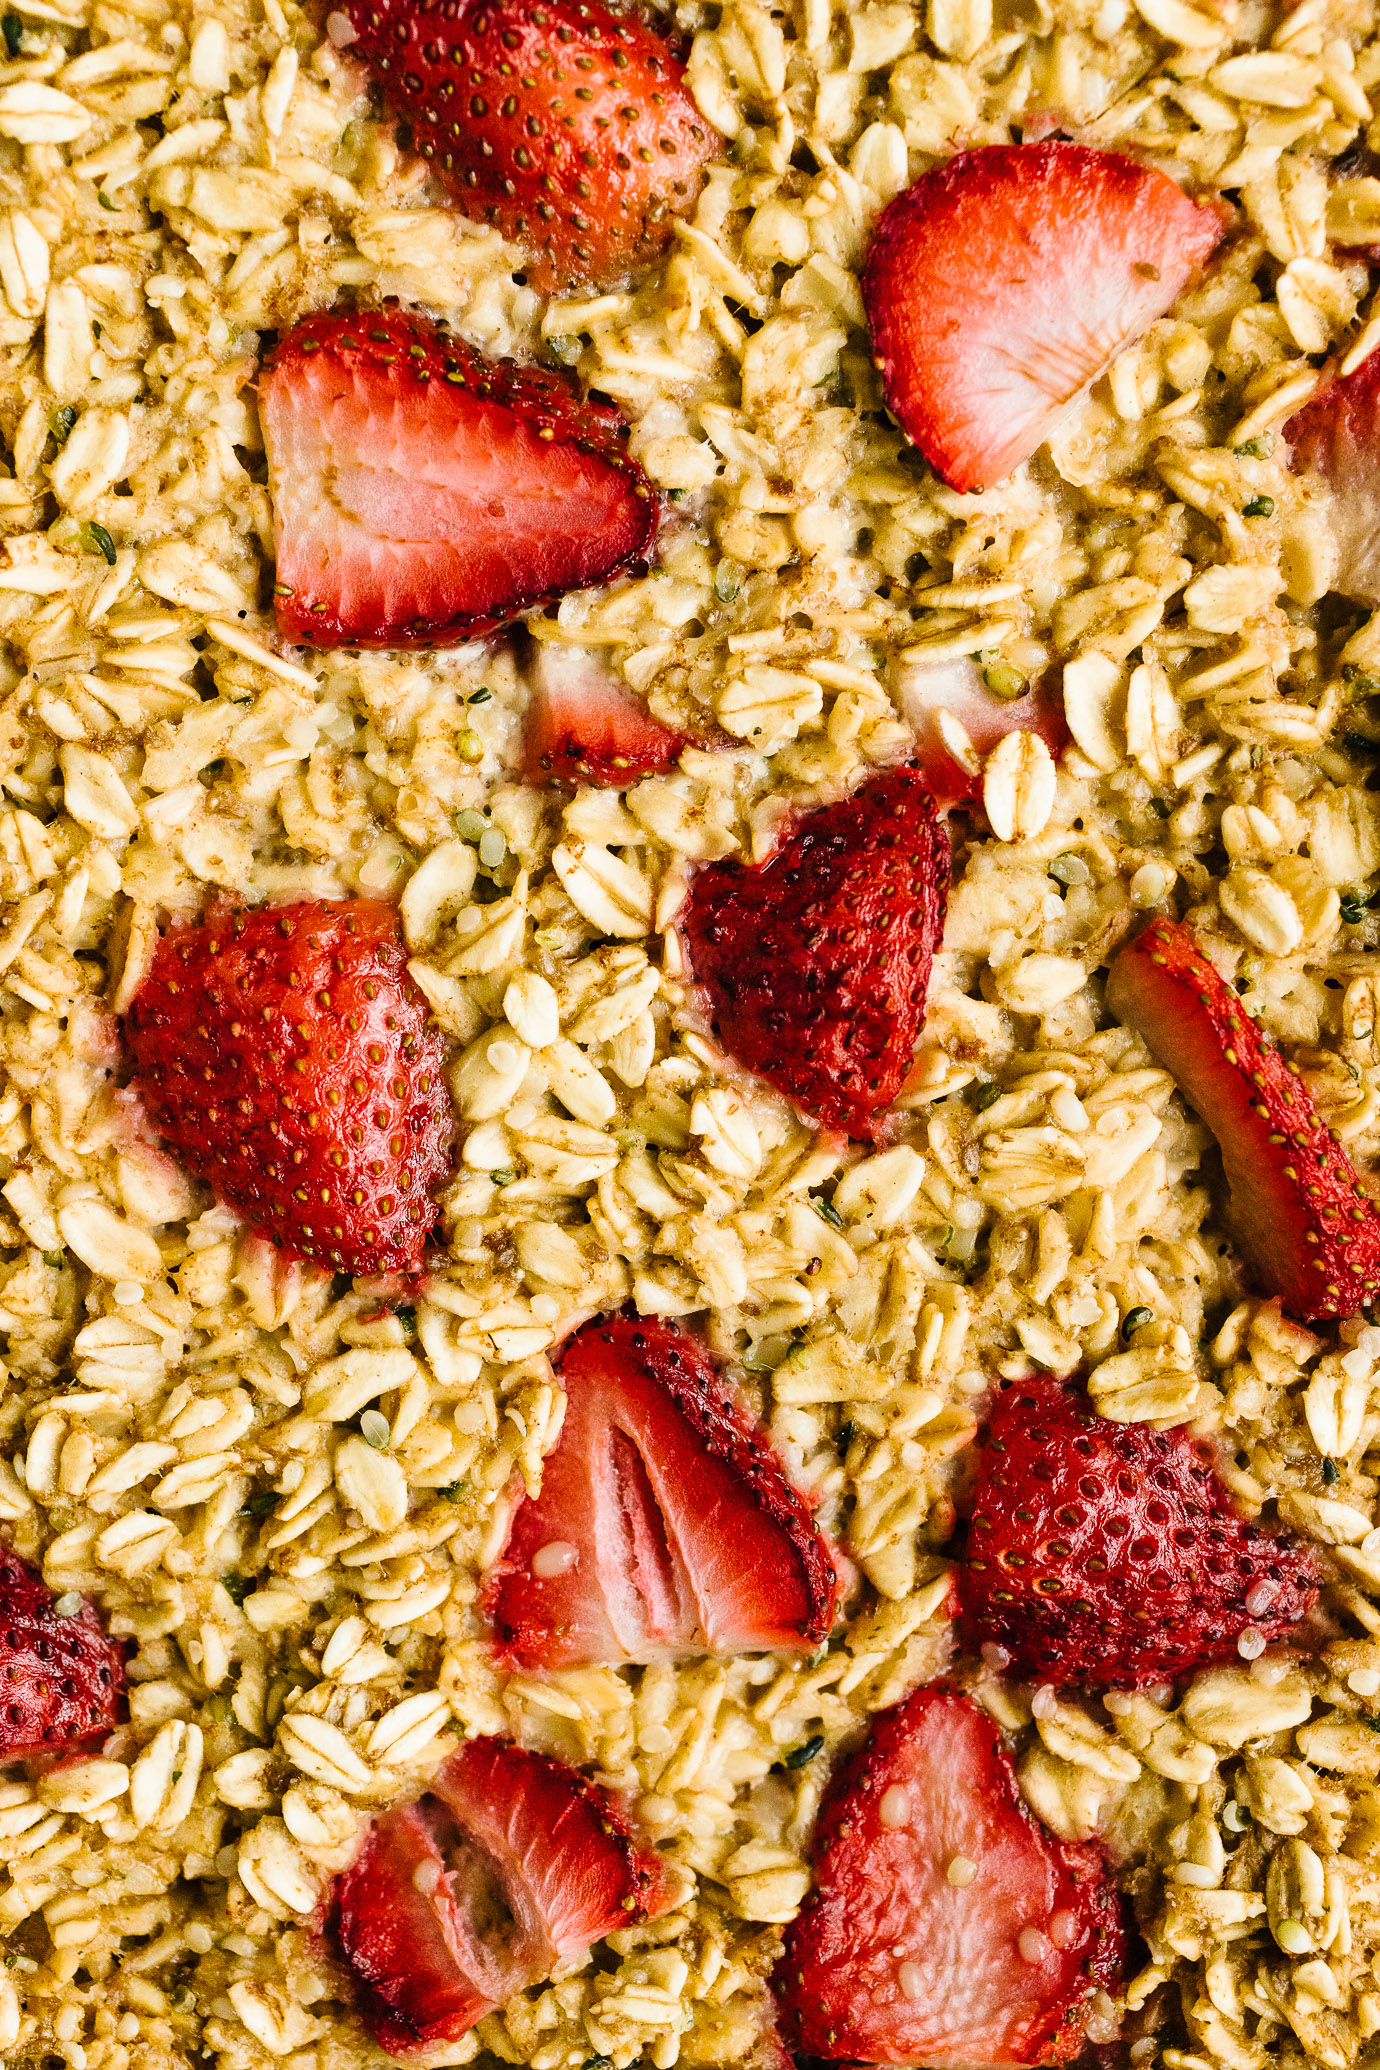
[{"x": 690, "y": 723}]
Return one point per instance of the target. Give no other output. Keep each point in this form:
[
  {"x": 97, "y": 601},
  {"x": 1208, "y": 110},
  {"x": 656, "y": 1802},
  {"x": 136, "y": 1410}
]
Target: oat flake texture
[{"x": 1141, "y": 673}]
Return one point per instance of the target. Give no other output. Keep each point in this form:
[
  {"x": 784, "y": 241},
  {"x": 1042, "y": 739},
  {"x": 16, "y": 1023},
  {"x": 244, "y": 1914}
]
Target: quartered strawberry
[
  {"x": 816, "y": 962},
  {"x": 946, "y": 1926},
  {"x": 286, "y": 1056},
  {"x": 585, "y": 726},
  {"x": 1111, "y": 1553},
  {"x": 566, "y": 125},
  {"x": 1337, "y": 436},
  {"x": 62, "y": 1678},
  {"x": 1000, "y": 284},
  {"x": 958, "y": 720},
  {"x": 510, "y": 1864},
  {"x": 423, "y": 494},
  {"x": 665, "y": 1523},
  {"x": 1309, "y": 1230}
]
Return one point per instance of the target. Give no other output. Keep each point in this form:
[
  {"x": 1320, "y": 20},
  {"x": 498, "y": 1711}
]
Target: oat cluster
[{"x": 284, "y": 1489}]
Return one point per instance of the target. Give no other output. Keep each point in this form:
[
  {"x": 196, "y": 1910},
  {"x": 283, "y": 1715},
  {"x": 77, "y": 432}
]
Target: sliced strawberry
[
  {"x": 1309, "y": 1230},
  {"x": 665, "y": 1523},
  {"x": 423, "y": 494},
  {"x": 584, "y": 726},
  {"x": 946, "y": 1926},
  {"x": 1337, "y": 436},
  {"x": 568, "y": 126},
  {"x": 1002, "y": 283},
  {"x": 958, "y": 721},
  {"x": 816, "y": 962},
  {"x": 62, "y": 1678},
  {"x": 287, "y": 1057},
  {"x": 1111, "y": 1553},
  {"x": 510, "y": 1864}
]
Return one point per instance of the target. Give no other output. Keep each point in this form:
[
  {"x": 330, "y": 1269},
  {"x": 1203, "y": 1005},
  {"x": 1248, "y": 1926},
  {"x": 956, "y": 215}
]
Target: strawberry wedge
[
  {"x": 665, "y": 1523},
  {"x": 1002, "y": 283},
  {"x": 816, "y": 963},
  {"x": 585, "y": 726},
  {"x": 1111, "y": 1553},
  {"x": 1308, "y": 1228},
  {"x": 510, "y": 1864},
  {"x": 946, "y": 1926},
  {"x": 423, "y": 494},
  {"x": 62, "y": 1677},
  {"x": 958, "y": 720},
  {"x": 568, "y": 126},
  {"x": 1337, "y": 436}
]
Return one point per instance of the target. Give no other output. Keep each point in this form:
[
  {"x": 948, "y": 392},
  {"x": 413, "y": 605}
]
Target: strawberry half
[
  {"x": 816, "y": 962},
  {"x": 1110, "y": 1553},
  {"x": 1337, "y": 435},
  {"x": 423, "y": 494},
  {"x": 584, "y": 726},
  {"x": 946, "y": 1926},
  {"x": 933, "y": 697},
  {"x": 1309, "y": 1230},
  {"x": 665, "y": 1523},
  {"x": 567, "y": 126},
  {"x": 1002, "y": 283},
  {"x": 285, "y": 1055},
  {"x": 510, "y": 1864},
  {"x": 62, "y": 1679}
]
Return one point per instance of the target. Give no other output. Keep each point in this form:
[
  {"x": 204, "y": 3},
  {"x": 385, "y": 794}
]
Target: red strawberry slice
[
  {"x": 286, "y": 1056},
  {"x": 1000, "y": 284},
  {"x": 933, "y": 697},
  {"x": 1337, "y": 435},
  {"x": 946, "y": 1926},
  {"x": 1309, "y": 1230},
  {"x": 816, "y": 962},
  {"x": 1111, "y": 1553},
  {"x": 510, "y": 1864},
  {"x": 665, "y": 1523},
  {"x": 584, "y": 726},
  {"x": 423, "y": 494},
  {"x": 62, "y": 1678},
  {"x": 566, "y": 125}
]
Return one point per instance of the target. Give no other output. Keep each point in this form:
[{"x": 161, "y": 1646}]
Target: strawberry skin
[
  {"x": 1337, "y": 435},
  {"x": 509, "y": 1864},
  {"x": 816, "y": 962},
  {"x": 423, "y": 494},
  {"x": 892, "y": 1962},
  {"x": 568, "y": 127},
  {"x": 285, "y": 1055},
  {"x": 584, "y": 726},
  {"x": 62, "y": 1679},
  {"x": 1110, "y": 1553},
  {"x": 665, "y": 1522},
  {"x": 1310, "y": 1232},
  {"x": 1000, "y": 284}
]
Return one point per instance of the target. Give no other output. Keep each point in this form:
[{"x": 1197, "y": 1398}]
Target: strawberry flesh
[
  {"x": 1337, "y": 436},
  {"x": 891, "y": 1961},
  {"x": 567, "y": 126},
  {"x": 584, "y": 726},
  {"x": 62, "y": 1679},
  {"x": 285, "y": 1054},
  {"x": 1309, "y": 1231},
  {"x": 1110, "y": 1553},
  {"x": 665, "y": 1523},
  {"x": 510, "y": 1864},
  {"x": 937, "y": 694},
  {"x": 423, "y": 494},
  {"x": 816, "y": 962},
  {"x": 1002, "y": 283}
]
